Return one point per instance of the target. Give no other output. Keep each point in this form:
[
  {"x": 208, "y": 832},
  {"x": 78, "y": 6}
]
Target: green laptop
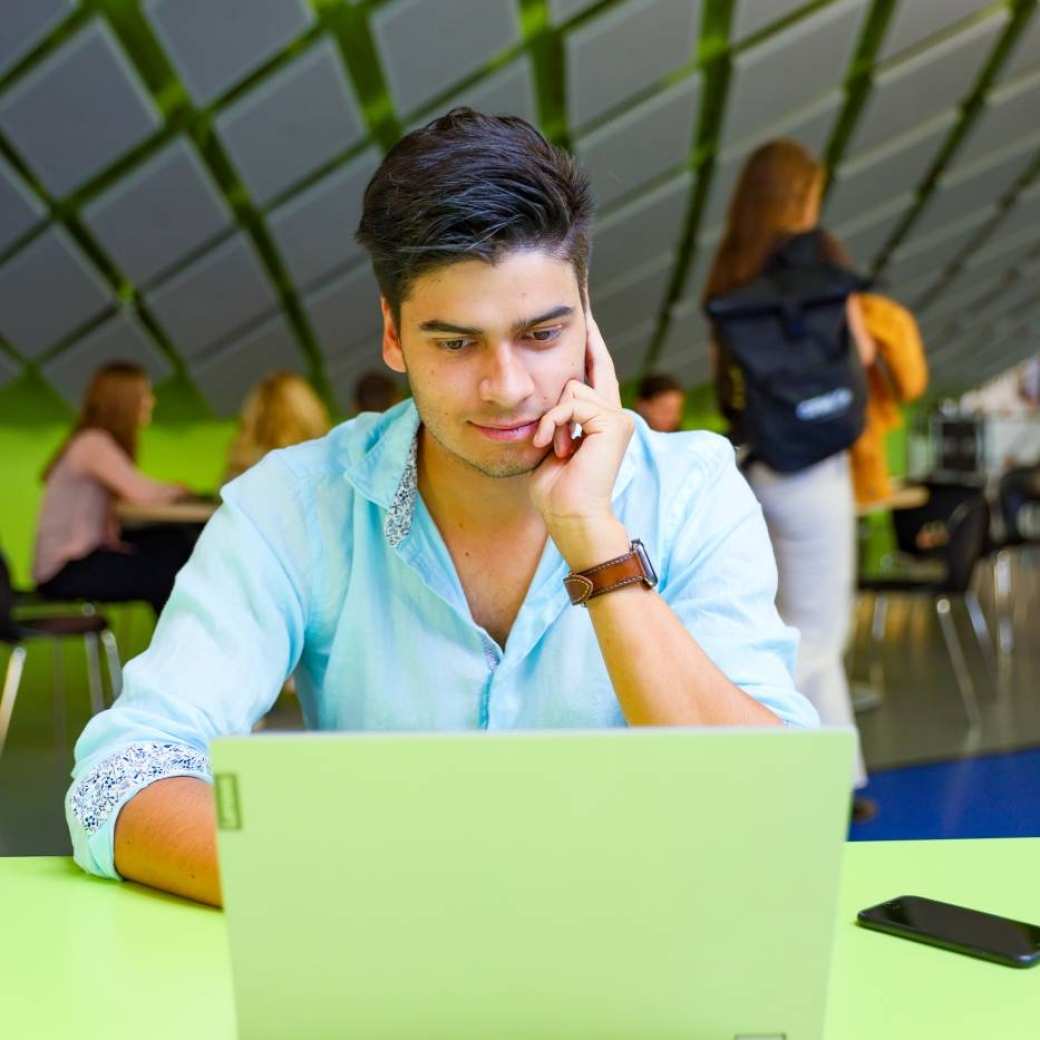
[{"x": 637, "y": 883}]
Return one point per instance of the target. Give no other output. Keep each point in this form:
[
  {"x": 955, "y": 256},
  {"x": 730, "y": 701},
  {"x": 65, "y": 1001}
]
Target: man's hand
[{"x": 573, "y": 486}]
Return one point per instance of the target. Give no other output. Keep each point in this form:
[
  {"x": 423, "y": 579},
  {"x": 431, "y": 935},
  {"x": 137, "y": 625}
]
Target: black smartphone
[{"x": 957, "y": 928}]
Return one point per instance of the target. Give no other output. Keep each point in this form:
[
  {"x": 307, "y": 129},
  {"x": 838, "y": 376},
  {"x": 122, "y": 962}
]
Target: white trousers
[{"x": 811, "y": 520}]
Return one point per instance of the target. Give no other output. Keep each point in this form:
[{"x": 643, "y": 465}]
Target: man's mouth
[{"x": 511, "y": 432}]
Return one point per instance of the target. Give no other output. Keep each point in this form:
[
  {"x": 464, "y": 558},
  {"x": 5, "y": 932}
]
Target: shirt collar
[{"x": 382, "y": 466}]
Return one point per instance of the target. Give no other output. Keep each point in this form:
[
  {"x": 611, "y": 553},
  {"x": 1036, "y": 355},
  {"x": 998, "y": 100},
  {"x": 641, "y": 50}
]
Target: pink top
[{"x": 77, "y": 514}]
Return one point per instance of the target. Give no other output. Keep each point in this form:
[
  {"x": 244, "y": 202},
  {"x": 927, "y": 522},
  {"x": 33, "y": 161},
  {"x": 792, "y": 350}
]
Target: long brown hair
[
  {"x": 769, "y": 204},
  {"x": 112, "y": 403},
  {"x": 281, "y": 410}
]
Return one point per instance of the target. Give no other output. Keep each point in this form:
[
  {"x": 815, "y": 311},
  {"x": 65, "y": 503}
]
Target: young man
[
  {"x": 410, "y": 568},
  {"x": 659, "y": 400}
]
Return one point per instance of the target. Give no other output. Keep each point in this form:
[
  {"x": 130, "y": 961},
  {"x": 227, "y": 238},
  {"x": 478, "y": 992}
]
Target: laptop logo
[{"x": 229, "y": 813}]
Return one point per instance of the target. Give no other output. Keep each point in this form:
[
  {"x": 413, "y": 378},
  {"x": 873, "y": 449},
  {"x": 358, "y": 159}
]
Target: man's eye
[
  {"x": 545, "y": 335},
  {"x": 453, "y": 345}
]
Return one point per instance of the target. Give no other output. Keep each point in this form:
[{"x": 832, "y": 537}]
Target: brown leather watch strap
[{"x": 634, "y": 566}]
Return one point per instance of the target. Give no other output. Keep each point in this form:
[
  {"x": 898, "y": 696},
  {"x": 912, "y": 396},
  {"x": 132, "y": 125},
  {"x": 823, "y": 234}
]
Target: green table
[{"x": 86, "y": 958}]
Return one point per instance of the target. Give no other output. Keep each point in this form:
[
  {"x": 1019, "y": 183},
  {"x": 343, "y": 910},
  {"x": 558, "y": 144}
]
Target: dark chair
[
  {"x": 18, "y": 631},
  {"x": 1018, "y": 502},
  {"x": 966, "y": 528}
]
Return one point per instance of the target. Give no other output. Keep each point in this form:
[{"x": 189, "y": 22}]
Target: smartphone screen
[{"x": 957, "y": 928}]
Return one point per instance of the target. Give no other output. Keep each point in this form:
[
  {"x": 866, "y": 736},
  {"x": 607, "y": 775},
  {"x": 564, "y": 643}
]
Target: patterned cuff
[{"x": 97, "y": 794}]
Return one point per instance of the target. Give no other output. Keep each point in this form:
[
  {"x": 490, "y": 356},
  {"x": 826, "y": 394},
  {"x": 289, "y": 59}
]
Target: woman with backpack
[{"x": 790, "y": 346}]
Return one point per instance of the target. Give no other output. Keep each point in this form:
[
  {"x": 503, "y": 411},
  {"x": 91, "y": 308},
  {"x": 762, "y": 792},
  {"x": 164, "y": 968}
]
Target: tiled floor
[{"x": 920, "y": 722}]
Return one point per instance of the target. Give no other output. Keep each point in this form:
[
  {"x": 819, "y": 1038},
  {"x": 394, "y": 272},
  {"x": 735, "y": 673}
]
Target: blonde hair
[
  {"x": 112, "y": 403},
  {"x": 281, "y": 410},
  {"x": 768, "y": 205}
]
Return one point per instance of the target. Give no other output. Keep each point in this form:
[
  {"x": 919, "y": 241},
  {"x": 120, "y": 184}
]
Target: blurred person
[
  {"x": 659, "y": 400},
  {"x": 81, "y": 550},
  {"x": 898, "y": 375},
  {"x": 281, "y": 410},
  {"x": 376, "y": 392},
  {"x": 772, "y": 242}
]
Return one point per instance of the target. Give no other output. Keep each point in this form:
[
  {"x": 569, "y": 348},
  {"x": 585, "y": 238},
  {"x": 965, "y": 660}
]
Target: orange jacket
[{"x": 899, "y": 374}]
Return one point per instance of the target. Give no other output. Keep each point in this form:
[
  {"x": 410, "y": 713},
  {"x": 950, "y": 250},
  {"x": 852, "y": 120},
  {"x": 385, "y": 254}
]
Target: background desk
[
  {"x": 904, "y": 496},
  {"x": 190, "y": 512},
  {"x": 81, "y": 957}
]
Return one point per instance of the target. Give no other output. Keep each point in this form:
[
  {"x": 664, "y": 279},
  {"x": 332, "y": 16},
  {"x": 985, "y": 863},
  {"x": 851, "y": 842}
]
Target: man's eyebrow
[
  {"x": 563, "y": 311},
  {"x": 436, "y": 325}
]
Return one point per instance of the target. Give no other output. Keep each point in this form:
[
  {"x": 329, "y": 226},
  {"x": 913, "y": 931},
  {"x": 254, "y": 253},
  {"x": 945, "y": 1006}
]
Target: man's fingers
[
  {"x": 602, "y": 375},
  {"x": 581, "y": 406}
]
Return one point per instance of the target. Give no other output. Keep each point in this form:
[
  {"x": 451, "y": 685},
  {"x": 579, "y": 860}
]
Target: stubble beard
[{"x": 503, "y": 470}]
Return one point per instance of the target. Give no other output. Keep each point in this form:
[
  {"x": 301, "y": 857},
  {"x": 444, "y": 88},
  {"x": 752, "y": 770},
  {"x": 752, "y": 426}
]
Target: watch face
[{"x": 649, "y": 574}]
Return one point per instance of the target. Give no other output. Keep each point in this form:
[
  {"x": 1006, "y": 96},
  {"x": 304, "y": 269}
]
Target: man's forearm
[
  {"x": 166, "y": 837},
  {"x": 660, "y": 674}
]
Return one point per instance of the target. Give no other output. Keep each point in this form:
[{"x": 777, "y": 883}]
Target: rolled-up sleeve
[
  {"x": 720, "y": 579},
  {"x": 232, "y": 632}
]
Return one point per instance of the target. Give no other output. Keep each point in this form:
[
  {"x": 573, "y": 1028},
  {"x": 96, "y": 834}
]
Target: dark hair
[
  {"x": 657, "y": 383},
  {"x": 112, "y": 402},
  {"x": 767, "y": 207},
  {"x": 471, "y": 186},
  {"x": 376, "y": 392}
]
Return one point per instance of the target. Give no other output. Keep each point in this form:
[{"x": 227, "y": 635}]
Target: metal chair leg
[
  {"x": 12, "y": 680},
  {"x": 59, "y": 705},
  {"x": 960, "y": 665},
  {"x": 878, "y": 625},
  {"x": 880, "y": 618},
  {"x": 1002, "y": 596},
  {"x": 115, "y": 667},
  {"x": 90, "y": 643},
  {"x": 979, "y": 626}
]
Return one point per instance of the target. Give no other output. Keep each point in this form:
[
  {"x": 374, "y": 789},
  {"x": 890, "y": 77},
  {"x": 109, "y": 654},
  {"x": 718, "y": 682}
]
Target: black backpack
[{"x": 805, "y": 389}]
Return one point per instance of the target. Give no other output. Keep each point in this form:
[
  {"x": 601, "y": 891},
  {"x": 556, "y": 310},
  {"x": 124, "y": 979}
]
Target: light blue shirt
[{"x": 323, "y": 561}]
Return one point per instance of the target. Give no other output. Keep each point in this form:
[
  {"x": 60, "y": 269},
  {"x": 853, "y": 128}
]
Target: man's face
[
  {"x": 663, "y": 411},
  {"x": 488, "y": 349}
]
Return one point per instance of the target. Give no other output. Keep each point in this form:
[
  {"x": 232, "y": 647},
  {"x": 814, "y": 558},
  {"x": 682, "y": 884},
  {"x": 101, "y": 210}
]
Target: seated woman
[
  {"x": 281, "y": 410},
  {"x": 81, "y": 551}
]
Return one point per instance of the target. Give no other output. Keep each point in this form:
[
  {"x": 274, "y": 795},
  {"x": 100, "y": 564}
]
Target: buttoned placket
[{"x": 414, "y": 537}]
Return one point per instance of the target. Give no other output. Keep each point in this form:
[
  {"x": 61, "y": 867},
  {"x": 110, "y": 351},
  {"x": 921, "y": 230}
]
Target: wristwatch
[{"x": 633, "y": 567}]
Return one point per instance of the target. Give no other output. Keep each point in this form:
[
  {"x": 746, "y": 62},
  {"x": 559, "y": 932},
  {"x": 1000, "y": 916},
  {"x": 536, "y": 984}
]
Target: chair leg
[
  {"x": 979, "y": 626},
  {"x": 1002, "y": 596},
  {"x": 59, "y": 705},
  {"x": 115, "y": 667},
  {"x": 960, "y": 665},
  {"x": 12, "y": 680},
  {"x": 878, "y": 626},
  {"x": 879, "y": 619},
  {"x": 90, "y": 642}
]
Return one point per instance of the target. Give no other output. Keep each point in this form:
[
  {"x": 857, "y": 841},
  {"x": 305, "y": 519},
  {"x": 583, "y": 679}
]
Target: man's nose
[{"x": 505, "y": 380}]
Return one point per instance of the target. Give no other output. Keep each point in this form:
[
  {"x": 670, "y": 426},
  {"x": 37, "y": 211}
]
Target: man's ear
[{"x": 393, "y": 355}]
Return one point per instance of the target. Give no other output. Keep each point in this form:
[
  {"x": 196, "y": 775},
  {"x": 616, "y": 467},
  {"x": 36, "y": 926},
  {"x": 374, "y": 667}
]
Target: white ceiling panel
[
  {"x": 467, "y": 34},
  {"x": 790, "y": 70},
  {"x": 868, "y": 181},
  {"x": 651, "y": 138},
  {"x": 751, "y": 16},
  {"x": 912, "y": 90},
  {"x": 639, "y": 231},
  {"x": 913, "y": 21},
  {"x": 632, "y": 46},
  {"x": 967, "y": 191},
  {"x": 1008, "y": 119}
]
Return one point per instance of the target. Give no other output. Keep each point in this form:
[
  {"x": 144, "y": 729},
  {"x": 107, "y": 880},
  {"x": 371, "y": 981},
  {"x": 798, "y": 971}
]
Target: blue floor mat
[{"x": 991, "y": 796}]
